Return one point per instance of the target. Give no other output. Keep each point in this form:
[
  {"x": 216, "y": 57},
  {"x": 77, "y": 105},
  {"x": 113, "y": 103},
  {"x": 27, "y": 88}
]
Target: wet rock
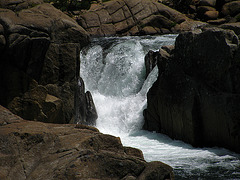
[
  {"x": 36, "y": 150},
  {"x": 150, "y": 61},
  {"x": 91, "y": 109},
  {"x": 153, "y": 58},
  {"x": 196, "y": 95},
  {"x": 86, "y": 112},
  {"x": 155, "y": 170}
]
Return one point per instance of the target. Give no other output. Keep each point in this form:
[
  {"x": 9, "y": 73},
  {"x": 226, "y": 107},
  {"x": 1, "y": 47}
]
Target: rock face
[
  {"x": 36, "y": 150},
  {"x": 232, "y": 26},
  {"x": 39, "y": 61},
  {"x": 211, "y": 11},
  {"x": 196, "y": 97},
  {"x": 134, "y": 17}
]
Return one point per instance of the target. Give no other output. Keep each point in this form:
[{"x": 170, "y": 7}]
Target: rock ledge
[{"x": 36, "y": 150}]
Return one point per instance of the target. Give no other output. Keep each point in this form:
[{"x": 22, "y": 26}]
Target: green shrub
[{"x": 173, "y": 24}]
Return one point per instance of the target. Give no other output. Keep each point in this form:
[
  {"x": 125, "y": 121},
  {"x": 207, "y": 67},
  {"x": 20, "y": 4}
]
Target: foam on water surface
[{"x": 113, "y": 70}]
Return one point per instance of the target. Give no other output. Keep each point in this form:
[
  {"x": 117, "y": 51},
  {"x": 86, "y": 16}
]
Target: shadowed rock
[
  {"x": 196, "y": 96},
  {"x": 86, "y": 112},
  {"x": 39, "y": 60},
  {"x": 214, "y": 12}
]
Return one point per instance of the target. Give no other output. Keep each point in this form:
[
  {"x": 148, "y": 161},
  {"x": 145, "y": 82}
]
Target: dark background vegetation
[{"x": 72, "y": 5}]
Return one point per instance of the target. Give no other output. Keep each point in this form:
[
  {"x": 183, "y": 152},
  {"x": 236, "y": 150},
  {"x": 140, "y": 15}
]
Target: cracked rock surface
[
  {"x": 196, "y": 96},
  {"x": 36, "y": 150},
  {"x": 134, "y": 17}
]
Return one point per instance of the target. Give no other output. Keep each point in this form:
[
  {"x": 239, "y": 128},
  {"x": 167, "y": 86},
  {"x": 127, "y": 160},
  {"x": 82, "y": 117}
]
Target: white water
[{"x": 113, "y": 70}]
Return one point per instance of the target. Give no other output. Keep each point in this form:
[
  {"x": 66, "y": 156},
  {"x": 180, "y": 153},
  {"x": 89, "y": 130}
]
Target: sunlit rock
[
  {"x": 133, "y": 17},
  {"x": 36, "y": 150}
]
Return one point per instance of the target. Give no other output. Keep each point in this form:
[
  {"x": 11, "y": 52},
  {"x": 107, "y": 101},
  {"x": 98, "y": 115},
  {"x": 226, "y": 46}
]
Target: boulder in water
[{"x": 196, "y": 97}]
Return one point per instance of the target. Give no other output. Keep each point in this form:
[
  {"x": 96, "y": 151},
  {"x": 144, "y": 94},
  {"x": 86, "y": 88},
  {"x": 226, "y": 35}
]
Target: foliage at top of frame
[{"x": 70, "y": 5}]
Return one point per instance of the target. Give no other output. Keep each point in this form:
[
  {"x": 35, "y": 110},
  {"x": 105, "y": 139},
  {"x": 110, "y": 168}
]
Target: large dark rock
[
  {"x": 36, "y": 150},
  {"x": 86, "y": 112},
  {"x": 134, "y": 17},
  {"x": 231, "y": 8},
  {"x": 39, "y": 60},
  {"x": 233, "y": 26},
  {"x": 207, "y": 3},
  {"x": 196, "y": 97}
]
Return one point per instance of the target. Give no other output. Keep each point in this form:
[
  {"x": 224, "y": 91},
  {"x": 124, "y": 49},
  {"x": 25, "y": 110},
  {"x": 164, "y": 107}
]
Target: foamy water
[{"x": 113, "y": 70}]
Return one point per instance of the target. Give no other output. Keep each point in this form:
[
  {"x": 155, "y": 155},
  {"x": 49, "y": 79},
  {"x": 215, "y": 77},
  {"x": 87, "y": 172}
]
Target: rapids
[{"x": 113, "y": 70}]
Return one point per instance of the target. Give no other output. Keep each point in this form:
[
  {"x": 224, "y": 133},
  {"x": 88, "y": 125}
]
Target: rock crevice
[
  {"x": 40, "y": 48},
  {"x": 195, "y": 97},
  {"x": 138, "y": 17},
  {"x": 68, "y": 151}
]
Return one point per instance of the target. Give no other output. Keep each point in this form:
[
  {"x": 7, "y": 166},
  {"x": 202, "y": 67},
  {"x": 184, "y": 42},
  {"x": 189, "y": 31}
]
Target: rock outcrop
[
  {"x": 212, "y": 11},
  {"x": 39, "y": 61},
  {"x": 232, "y": 26},
  {"x": 197, "y": 94},
  {"x": 134, "y": 17},
  {"x": 36, "y": 150}
]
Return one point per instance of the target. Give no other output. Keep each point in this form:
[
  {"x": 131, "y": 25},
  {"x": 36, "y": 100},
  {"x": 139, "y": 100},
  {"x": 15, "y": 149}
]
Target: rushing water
[{"x": 113, "y": 70}]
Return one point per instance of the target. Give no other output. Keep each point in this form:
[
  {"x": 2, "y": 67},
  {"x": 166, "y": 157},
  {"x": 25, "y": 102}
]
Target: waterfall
[{"x": 113, "y": 70}]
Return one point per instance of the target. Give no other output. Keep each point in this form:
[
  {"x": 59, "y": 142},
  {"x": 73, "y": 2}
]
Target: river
[{"x": 113, "y": 70}]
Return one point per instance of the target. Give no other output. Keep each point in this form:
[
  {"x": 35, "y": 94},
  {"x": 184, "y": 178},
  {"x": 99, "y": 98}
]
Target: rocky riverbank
[
  {"x": 195, "y": 98},
  {"x": 39, "y": 67},
  {"x": 221, "y": 13},
  {"x": 211, "y": 11},
  {"x": 142, "y": 17},
  {"x": 134, "y": 17},
  {"x": 196, "y": 95},
  {"x": 36, "y": 150},
  {"x": 39, "y": 77}
]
